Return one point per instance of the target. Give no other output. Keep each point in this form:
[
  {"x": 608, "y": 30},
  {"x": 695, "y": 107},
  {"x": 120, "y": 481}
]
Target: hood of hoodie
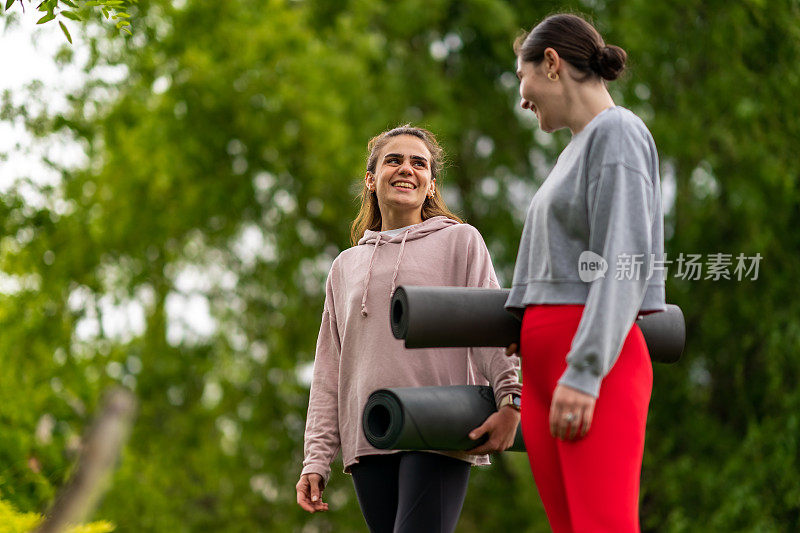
[
  {"x": 375, "y": 239},
  {"x": 415, "y": 232}
]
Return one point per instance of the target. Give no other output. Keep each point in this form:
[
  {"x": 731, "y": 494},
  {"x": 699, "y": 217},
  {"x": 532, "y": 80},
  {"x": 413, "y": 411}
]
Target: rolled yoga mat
[
  {"x": 429, "y": 418},
  {"x": 449, "y": 317}
]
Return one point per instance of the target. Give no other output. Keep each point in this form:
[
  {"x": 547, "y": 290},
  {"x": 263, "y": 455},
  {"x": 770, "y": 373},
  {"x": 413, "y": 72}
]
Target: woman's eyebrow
[{"x": 401, "y": 156}]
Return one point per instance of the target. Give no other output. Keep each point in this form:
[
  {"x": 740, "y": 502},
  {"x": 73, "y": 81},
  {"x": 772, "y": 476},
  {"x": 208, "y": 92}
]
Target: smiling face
[
  {"x": 402, "y": 177},
  {"x": 538, "y": 94}
]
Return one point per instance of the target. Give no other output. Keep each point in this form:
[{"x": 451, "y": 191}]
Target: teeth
[{"x": 404, "y": 185}]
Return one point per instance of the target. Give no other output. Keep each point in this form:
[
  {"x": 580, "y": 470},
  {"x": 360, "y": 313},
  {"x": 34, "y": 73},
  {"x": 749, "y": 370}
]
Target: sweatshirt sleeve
[
  {"x": 322, "y": 443},
  {"x": 499, "y": 369},
  {"x": 620, "y": 213}
]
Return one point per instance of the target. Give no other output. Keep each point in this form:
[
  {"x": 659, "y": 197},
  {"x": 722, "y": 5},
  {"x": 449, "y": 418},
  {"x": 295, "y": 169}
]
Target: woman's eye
[
  {"x": 393, "y": 160},
  {"x": 420, "y": 164}
]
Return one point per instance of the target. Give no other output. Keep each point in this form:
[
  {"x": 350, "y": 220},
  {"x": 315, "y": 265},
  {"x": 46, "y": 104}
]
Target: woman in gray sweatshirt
[
  {"x": 404, "y": 234},
  {"x": 590, "y": 260}
]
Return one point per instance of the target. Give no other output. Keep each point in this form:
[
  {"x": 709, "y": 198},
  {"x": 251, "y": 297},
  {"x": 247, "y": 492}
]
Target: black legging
[{"x": 415, "y": 492}]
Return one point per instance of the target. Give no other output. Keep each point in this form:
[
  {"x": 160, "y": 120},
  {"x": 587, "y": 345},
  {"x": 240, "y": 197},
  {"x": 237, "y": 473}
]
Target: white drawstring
[
  {"x": 397, "y": 264},
  {"x": 366, "y": 280}
]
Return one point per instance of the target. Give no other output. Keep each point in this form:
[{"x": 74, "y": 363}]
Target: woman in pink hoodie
[{"x": 404, "y": 234}]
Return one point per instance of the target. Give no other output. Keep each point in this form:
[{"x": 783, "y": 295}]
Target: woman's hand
[
  {"x": 501, "y": 427},
  {"x": 571, "y": 413},
  {"x": 309, "y": 493}
]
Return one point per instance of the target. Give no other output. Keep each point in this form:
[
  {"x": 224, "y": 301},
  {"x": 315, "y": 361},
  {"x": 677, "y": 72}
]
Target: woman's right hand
[
  {"x": 512, "y": 349},
  {"x": 309, "y": 493}
]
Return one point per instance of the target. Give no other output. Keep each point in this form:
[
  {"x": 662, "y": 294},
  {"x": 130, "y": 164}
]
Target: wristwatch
[{"x": 512, "y": 399}]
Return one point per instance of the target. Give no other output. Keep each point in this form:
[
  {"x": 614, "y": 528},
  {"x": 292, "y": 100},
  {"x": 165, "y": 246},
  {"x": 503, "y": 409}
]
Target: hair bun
[
  {"x": 609, "y": 62},
  {"x": 577, "y": 42}
]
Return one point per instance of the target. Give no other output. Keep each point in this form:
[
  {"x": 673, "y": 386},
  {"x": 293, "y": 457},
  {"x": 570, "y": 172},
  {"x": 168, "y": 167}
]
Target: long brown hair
[
  {"x": 577, "y": 42},
  {"x": 369, "y": 215}
]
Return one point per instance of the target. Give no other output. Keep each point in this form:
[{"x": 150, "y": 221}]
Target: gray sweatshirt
[{"x": 602, "y": 196}]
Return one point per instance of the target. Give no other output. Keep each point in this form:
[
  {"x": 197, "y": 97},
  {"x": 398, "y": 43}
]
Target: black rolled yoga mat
[
  {"x": 664, "y": 333},
  {"x": 449, "y": 317},
  {"x": 429, "y": 418}
]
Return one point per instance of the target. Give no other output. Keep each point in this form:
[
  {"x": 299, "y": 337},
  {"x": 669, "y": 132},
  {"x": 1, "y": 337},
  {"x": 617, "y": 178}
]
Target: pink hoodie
[{"x": 356, "y": 352}]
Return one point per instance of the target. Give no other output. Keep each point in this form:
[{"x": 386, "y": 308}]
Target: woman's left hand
[
  {"x": 571, "y": 413},
  {"x": 501, "y": 428}
]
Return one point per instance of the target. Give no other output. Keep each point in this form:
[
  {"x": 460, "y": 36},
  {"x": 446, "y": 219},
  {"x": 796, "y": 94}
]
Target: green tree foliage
[
  {"x": 222, "y": 172},
  {"x": 12, "y": 521},
  {"x": 77, "y": 10}
]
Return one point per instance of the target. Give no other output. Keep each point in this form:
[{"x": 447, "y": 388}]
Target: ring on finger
[{"x": 569, "y": 418}]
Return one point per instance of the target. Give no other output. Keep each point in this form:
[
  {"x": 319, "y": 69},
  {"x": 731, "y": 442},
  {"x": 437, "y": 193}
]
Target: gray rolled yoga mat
[
  {"x": 429, "y": 418},
  {"x": 449, "y": 317}
]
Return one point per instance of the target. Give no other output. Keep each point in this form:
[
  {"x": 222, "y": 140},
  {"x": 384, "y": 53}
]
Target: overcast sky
[{"x": 26, "y": 54}]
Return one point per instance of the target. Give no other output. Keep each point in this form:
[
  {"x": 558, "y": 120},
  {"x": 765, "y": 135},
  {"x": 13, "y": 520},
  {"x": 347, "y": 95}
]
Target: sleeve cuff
[
  {"x": 501, "y": 393},
  {"x": 324, "y": 471},
  {"x": 583, "y": 380}
]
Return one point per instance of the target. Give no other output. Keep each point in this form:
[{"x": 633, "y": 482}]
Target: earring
[{"x": 552, "y": 76}]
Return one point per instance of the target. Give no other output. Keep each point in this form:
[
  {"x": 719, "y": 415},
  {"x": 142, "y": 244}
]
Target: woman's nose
[{"x": 524, "y": 104}]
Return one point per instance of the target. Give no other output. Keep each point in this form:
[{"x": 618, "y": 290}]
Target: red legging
[{"x": 590, "y": 484}]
